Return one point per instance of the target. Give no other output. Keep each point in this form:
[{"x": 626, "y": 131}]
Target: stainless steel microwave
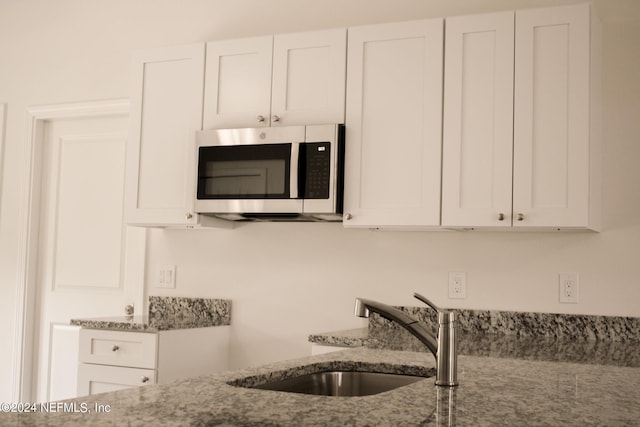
[{"x": 285, "y": 173}]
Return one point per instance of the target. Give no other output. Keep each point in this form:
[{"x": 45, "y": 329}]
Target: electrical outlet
[
  {"x": 166, "y": 277},
  {"x": 458, "y": 285},
  {"x": 569, "y": 288}
]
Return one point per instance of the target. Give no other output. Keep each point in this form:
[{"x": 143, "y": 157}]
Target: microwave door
[{"x": 248, "y": 179}]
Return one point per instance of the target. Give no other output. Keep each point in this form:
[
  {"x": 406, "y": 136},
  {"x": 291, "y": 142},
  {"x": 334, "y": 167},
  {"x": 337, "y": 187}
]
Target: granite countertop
[
  {"x": 551, "y": 349},
  {"x": 550, "y": 377},
  {"x": 167, "y": 313},
  {"x": 492, "y": 391}
]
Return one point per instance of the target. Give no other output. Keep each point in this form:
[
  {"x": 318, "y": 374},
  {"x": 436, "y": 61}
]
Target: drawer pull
[
  {"x": 115, "y": 348},
  {"x": 144, "y": 379}
]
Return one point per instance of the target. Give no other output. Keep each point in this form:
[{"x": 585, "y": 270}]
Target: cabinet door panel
[
  {"x": 166, "y": 111},
  {"x": 393, "y": 117},
  {"x": 238, "y": 83},
  {"x": 478, "y": 121},
  {"x": 552, "y": 105},
  {"x": 309, "y": 77}
]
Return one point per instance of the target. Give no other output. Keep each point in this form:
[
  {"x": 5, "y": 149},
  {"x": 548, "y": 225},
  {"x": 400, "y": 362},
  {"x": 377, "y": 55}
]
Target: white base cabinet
[
  {"x": 521, "y": 137},
  {"x": 114, "y": 360}
]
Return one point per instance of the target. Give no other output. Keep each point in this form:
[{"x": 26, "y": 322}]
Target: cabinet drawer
[
  {"x": 94, "y": 379},
  {"x": 130, "y": 349}
]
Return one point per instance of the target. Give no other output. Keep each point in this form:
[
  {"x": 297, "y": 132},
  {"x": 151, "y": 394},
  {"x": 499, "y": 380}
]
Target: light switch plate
[{"x": 166, "y": 277}]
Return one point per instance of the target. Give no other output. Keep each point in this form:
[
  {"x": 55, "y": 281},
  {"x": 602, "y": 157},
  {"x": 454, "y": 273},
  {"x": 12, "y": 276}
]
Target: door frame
[{"x": 24, "y": 359}]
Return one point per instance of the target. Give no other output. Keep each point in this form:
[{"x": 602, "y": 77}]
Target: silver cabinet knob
[
  {"x": 520, "y": 217},
  {"x": 115, "y": 348},
  {"x": 188, "y": 215},
  {"x": 347, "y": 216},
  {"x": 275, "y": 118},
  {"x": 261, "y": 119},
  {"x": 144, "y": 379},
  {"x": 500, "y": 217}
]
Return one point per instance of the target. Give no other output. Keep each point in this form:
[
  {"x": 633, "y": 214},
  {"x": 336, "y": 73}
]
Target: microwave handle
[{"x": 294, "y": 166}]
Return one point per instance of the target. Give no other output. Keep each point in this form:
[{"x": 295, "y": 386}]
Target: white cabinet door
[
  {"x": 393, "y": 125},
  {"x": 521, "y": 145},
  {"x": 553, "y": 183},
  {"x": 309, "y": 78},
  {"x": 166, "y": 111},
  {"x": 281, "y": 80},
  {"x": 478, "y": 121},
  {"x": 238, "y": 83}
]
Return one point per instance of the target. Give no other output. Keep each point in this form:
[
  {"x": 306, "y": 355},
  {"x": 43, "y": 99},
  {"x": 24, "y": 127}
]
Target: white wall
[{"x": 289, "y": 280}]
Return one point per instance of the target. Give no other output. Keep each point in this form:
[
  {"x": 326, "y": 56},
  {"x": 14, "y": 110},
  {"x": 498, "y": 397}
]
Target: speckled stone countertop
[
  {"x": 167, "y": 313},
  {"x": 597, "y": 352},
  {"x": 493, "y": 391},
  {"x": 509, "y": 379},
  {"x": 604, "y": 340}
]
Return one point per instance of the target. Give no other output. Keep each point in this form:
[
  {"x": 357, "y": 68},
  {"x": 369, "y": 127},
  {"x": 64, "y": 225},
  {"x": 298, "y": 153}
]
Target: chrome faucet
[{"x": 442, "y": 345}]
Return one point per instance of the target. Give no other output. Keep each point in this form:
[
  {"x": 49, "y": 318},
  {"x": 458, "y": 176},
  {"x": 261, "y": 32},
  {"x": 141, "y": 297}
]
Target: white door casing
[
  {"x": 66, "y": 285},
  {"x": 3, "y": 112}
]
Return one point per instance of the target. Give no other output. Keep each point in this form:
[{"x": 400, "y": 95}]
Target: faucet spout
[
  {"x": 442, "y": 345},
  {"x": 365, "y": 306}
]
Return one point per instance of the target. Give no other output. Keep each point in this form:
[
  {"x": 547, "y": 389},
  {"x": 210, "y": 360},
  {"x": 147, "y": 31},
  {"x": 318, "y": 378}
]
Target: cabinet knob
[
  {"x": 188, "y": 215},
  {"x": 275, "y": 118},
  {"x": 261, "y": 119},
  {"x": 520, "y": 217},
  {"x": 144, "y": 379},
  {"x": 347, "y": 216},
  {"x": 115, "y": 348},
  {"x": 500, "y": 217}
]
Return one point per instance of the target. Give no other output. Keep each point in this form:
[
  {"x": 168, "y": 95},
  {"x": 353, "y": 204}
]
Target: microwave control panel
[{"x": 316, "y": 169}]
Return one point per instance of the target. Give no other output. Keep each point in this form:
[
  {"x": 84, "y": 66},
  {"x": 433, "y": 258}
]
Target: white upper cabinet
[
  {"x": 520, "y": 138},
  {"x": 556, "y": 158},
  {"x": 286, "y": 79},
  {"x": 166, "y": 111},
  {"x": 393, "y": 125},
  {"x": 478, "y": 120},
  {"x": 309, "y": 73},
  {"x": 238, "y": 83}
]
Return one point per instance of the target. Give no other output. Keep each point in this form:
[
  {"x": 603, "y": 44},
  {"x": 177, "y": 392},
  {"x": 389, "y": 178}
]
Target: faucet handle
[{"x": 444, "y": 315}]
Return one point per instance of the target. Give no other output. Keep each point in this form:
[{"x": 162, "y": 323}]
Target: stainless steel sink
[{"x": 341, "y": 383}]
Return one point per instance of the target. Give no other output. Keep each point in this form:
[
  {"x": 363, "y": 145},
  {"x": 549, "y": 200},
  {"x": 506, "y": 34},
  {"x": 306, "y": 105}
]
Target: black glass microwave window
[
  {"x": 315, "y": 167},
  {"x": 244, "y": 172}
]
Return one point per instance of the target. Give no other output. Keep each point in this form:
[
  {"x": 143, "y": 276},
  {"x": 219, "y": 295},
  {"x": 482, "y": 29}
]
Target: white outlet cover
[
  {"x": 457, "y": 285},
  {"x": 568, "y": 288}
]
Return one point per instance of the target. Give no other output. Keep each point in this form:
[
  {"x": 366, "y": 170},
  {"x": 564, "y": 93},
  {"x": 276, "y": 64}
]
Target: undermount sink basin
[{"x": 341, "y": 383}]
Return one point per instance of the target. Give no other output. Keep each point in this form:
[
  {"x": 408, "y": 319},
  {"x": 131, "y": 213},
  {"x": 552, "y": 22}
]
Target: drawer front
[
  {"x": 94, "y": 379},
  {"x": 130, "y": 349}
]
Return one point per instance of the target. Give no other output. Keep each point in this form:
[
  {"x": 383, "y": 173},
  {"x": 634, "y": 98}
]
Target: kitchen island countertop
[{"x": 492, "y": 391}]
